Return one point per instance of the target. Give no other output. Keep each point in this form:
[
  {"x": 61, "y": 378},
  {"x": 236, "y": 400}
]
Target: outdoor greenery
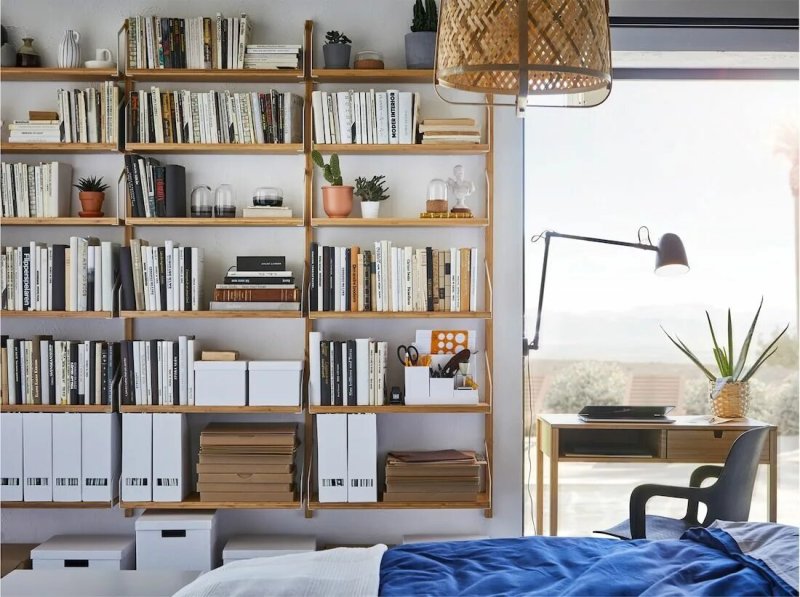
[
  {"x": 331, "y": 170},
  {"x": 586, "y": 383},
  {"x": 426, "y": 17}
]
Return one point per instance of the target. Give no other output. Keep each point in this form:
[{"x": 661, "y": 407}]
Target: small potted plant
[
  {"x": 336, "y": 50},
  {"x": 371, "y": 192},
  {"x": 730, "y": 390},
  {"x": 337, "y": 199},
  {"x": 421, "y": 42},
  {"x": 92, "y": 193}
]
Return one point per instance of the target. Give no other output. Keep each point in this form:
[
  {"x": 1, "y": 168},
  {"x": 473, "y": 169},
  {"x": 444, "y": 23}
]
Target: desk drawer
[{"x": 704, "y": 445}]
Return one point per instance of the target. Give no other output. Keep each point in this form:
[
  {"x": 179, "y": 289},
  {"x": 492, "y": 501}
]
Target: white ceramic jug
[{"x": 69, "y": 50}]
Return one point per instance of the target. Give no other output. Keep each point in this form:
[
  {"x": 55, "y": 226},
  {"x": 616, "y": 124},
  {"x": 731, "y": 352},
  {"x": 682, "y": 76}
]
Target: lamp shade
[
  {"x": 671, "y": 256},
  {"x": 544, "y": 52}
]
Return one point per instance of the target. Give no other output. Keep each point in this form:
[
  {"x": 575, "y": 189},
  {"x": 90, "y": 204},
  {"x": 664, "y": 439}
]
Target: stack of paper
[
  {"x": 435, "y": 476},
  {"x": 34, "y": 131},
  {"x": 449, "y": 130},
  {"x": 272, "y": 56}
]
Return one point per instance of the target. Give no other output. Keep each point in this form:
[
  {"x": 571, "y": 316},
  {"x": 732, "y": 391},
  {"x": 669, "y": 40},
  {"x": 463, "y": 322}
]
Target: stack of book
[
  {"x": 393, "y": 279},
  {"x": 196, "y": 42},
  {"x": 36, "y": 190},
  {"x": 35, "y": 131},
  {"x": 365, "y": 117},
  {"x": 81, "y": 276},
  {"x": 183, "y": 116},
  {"x": 89, "y": 115},
  {"x": 247, "y": 462},
  {"x": 449, "y": 130},
  {"x": 47, "y": 371},
  {"x": 257, "y": 283},
  {"x": 158, "y": 371},
  {"x": 168, "y": 278},
  {"x": 437, "y": 476},
  {"x": 272, "y": 56},
  {"x": 155, "y": 190},
  {"x": 350, "y": 372}
]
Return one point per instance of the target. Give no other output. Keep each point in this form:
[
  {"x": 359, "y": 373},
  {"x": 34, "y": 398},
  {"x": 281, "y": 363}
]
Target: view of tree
[
  {"x": 787, "y": 353},
  {"x": 586, "y": 383}
]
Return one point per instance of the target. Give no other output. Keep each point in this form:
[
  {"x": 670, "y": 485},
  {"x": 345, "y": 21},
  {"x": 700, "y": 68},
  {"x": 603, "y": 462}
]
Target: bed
[{"x": 724, "y": 559}]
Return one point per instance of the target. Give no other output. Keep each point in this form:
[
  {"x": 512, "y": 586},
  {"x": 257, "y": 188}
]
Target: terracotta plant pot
[
  {"x": 337, "y": 201},
  {"x": 91, "y": 203}
]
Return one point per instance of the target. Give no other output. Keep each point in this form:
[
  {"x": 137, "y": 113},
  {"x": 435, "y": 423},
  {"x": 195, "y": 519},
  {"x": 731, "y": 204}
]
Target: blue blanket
[{"x": 703, "y": 562}]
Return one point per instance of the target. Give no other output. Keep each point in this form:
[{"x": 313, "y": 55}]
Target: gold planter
[{"x": 733, "y": 401}]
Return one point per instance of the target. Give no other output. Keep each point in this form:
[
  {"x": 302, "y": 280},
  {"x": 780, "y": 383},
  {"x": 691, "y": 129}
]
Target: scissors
[{"x": 408, "y": 355}]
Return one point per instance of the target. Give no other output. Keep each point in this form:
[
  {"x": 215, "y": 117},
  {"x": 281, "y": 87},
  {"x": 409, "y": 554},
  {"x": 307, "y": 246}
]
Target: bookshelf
[
  {"x": 400, "y": 222},
  {"x": 59, "y": 505},
  {"x": 7, "y": 147},
  {"x": 168, "y": 408},
  {"x": 216, "y": 148},
  {"x": 16, "y": 73},
  {"x": 191, "y": 75},
  {"x": 57, "y": 314},
  {"x": 404, "y": 149},
  {"x": 211, "y": 314},
  {"x": 56, "y": 408},
  {"x": 192, "y": 502},
  {"x": 356, "y": 76},
  {"x": 217, "y": 222},
  {"x": 65, "y": 221}
]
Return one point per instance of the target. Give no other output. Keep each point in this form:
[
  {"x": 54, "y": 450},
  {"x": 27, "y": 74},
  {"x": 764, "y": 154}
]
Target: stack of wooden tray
[{"x": 437, "y": 476}]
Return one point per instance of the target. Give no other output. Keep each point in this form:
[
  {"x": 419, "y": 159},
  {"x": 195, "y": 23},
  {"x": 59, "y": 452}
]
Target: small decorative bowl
[
  {"x": 268, "y": 197},
  {"x": 368, "y": 60}
]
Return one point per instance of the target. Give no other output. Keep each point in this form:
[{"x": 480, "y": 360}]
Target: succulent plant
[
  {"x": 91, "y": 184},
  {"x": 373, "y": 189},
  {"x": 331, "y": 170},
  {"x": 426, "y": 17},
  {"x": 334, "y": 37}
]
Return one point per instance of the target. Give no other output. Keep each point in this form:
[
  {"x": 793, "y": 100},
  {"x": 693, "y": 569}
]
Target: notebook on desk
[{"x": 626, "y": 414}]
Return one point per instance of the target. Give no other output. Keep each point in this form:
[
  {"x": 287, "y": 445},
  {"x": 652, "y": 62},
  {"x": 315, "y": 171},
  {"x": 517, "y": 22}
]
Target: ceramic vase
[
  {"x": 370, "y": 209},
  {"x": 337, "y": 201},
  {"x": 420, "y": 49},
  {"x": 69, "y": 50},
  {"x": 26, "y": 55}
]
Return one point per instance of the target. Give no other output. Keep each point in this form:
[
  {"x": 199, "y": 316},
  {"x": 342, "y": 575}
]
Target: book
[{"x": 253, "y": 306}]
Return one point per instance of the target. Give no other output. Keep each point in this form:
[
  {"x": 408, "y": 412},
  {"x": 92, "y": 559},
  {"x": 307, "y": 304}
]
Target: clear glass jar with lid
[
  {"x": 202, "y": 205},
  {"x": 268, "y": 197}
]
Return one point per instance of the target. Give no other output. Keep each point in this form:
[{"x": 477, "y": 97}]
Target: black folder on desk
[{"x": 625, "y": 414}]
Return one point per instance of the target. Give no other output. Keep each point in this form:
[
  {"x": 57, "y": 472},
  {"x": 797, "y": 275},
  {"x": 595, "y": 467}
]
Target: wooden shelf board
[
  {"x": 56, "y": 408},
  {"x": 387, "y": 75},
  {"x": 168, "y": 408},
  {"x": 481, "y": 503},
  {"x": 399, "y": 315},
  {"x": 215, "y": 222},
  {"x": 400, "y": 222},
  {"x": 53, "y": 505},
  {"x": 221, "y": 75},
  {"x": 217, "y": 148},
  {"x": 11, "y": 73},
  {"x": 59, "y": 314},
  {"x": 192, "y": 502},
  {"x": 404, "y": 409},
  {"x": 211, "y": 314},
  {"x": 7, "y": 147},
  {"x": 65, "y": 221},
  {"x": 408, "y": 149}
]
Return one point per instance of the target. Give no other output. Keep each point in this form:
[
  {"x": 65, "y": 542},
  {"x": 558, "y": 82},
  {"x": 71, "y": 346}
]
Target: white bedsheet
[{"x": 343, "y": 571}]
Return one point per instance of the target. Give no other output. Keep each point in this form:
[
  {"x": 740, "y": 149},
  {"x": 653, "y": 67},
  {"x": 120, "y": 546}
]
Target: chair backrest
[{"x": 730, "y": 496}]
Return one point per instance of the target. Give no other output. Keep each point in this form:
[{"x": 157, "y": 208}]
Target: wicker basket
[{"x": 733, "y": 401}]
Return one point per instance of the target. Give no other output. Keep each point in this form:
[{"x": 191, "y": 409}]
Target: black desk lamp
[{"x": 670, "y": 260}]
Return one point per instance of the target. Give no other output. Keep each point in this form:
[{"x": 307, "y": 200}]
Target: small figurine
[{"x": 461, "y": 189}]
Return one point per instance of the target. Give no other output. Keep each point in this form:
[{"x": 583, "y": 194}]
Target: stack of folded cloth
[
  {"x": 247, "y": 462},
  {"x": 438, "y": 476}
]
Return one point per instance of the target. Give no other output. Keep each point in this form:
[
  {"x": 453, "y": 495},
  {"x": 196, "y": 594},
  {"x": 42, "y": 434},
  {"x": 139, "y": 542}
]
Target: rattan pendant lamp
[{"x": 543, "y": 52}]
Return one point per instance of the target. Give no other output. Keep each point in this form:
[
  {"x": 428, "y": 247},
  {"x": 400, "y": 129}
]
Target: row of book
[
  {"x": 158, "y": 371},
  {"x": 196, "y": 42},
  {"x": 155, "y": 190},
  {"x": 439, "y": 131},
  {"x": 42, "y": 370},
  {"x": 183, "y": 116},
  {"x": 81, "y": 276},
  {"x": 257, "y": 283},
  {"x": 166, "y": 278},
  {"x": 348, "y": 372},
  {"x": 40, "y": 190},
  {"x": 393, "y": 279},
  {"x": 88, "y": 115},
  {"x": 365, "y": 117}
]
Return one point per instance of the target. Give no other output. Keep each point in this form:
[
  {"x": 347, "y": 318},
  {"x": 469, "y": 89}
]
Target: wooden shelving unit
[
  {"x": 58, "y": 505},
  {"x": 353, "y": 76},
  {"x": 56, "y": 408},
  {"x": 192, "y": 502},
  {"x": 13, "y": 73},
  {"x": 216, "y": 222},
  {"x": 400, "y": 222},
  {"x": 399, "y": 315},
  {"x": 57, "y": 314},
  {"x": 237, "y": 410},
  {"x": 403, "y": 409},
  {"x": 7, "y": 147},
  {"x": 482, "y": 503},
  {"x": 404, "y": 149},
  {"x": 190, "y": 75},
  {"x": 65, "y": 221},
  {"x": 216, "y": 148},
  {"x": 211, "y": 314}
]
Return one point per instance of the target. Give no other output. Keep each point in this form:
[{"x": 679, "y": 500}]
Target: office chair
[{"x": 727, "y": 499}]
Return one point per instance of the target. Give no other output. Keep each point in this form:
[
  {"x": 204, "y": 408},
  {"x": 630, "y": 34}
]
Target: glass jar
[
  {"x": 368, "y": 59},
  {"x": 437, "y": 196},
  {"x": 268, "y": 197},
  {"x": 224, "y": 206},
  {"x": 202, "y": 206}
]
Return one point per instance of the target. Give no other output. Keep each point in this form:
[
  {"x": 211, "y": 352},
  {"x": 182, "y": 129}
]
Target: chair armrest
[
  {"x": 642, "y": 493},
  {"x": 700, "y": 474}
]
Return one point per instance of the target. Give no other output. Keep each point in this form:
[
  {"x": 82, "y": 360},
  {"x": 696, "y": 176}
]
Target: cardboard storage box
[
  {"x": 220, "y": 383},
  {"x": 245, "y": 547},
  {"x": 274, "y": 383},
  {"x": 109, "y": 552},
  {"x": 177, "y": 541}
]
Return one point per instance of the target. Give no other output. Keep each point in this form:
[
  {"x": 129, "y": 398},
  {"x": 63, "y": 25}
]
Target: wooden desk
[{"x": 565, "y": 438}]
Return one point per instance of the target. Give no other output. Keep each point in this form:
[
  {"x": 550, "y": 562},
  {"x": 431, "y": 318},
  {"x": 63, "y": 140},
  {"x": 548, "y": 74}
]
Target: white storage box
[
  {"x": 110, "y": 552},
  {"x": 417, "y": 390},
  {"x": 11, "y": 456},
  {"x": 246, "y": 547},
  {"x": 177, "y": 541},
  {"x": 274, "y": 383},
  {"x": 100, "y": 456},
  {"x": 170, "y": 457},
  {"x": 220, "y": 383},
  {"x": 37, "y": 457}
]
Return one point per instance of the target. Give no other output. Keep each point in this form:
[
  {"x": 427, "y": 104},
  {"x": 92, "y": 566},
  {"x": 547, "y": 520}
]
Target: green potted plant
[
  {"x": 730, "y": 389},
  {"x": 91, "y": 194},
  {"x": 337, "y": 198},
  {"x": 371, "y": 192},
  {"x": 336, "y": 50},
  {"x": 421, "y": 42}
]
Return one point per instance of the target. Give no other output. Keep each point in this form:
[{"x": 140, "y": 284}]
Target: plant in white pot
[
  {"x": 421, "y": 42},
  {"x": 730, "y": 390},
  {"x": 371, "y": 192}
]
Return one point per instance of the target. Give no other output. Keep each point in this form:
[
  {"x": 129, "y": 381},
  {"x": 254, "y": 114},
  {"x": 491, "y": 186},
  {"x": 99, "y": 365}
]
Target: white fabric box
[
  {"x": 100, "y": 457},
  {"x": 274, "y": 383},
  {"x": 177, "y": 541},
  {"x": 67, "y": 457},
  {"x": 11, "y": 456},
  {"x": 220, "y": 383},
  {"x": 37, "y": 456},
  {"x": 170, "y": 457},
  {"x": 246, "y": 547},
  {"x": 137, "y": 457},
  {"x": 110, "y": 552}
]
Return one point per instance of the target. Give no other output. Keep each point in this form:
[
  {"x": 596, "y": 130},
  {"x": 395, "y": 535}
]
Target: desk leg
[
  {"x": 539, "y": 480},
  {"x": 772, "y": 488},
  {"x": 554, "y": 483}
]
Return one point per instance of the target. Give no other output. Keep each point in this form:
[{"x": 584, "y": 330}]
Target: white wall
[{"x": 378, "y": 25}]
